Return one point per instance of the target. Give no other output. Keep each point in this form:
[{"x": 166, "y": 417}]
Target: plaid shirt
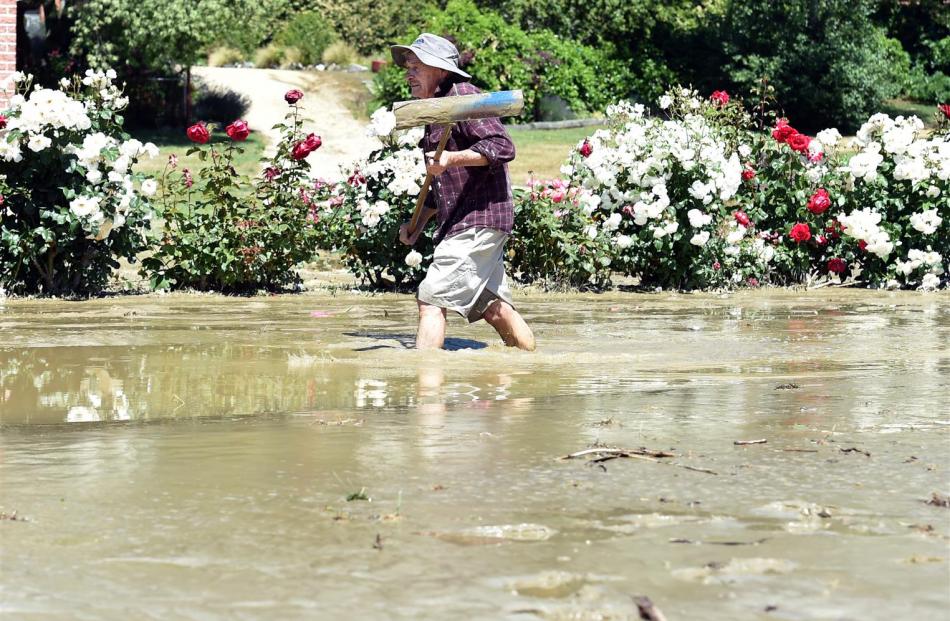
[{"x": 475, "y": 196}]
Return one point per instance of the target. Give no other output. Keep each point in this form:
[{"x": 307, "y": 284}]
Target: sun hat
[{"x": 431, "y": 50}]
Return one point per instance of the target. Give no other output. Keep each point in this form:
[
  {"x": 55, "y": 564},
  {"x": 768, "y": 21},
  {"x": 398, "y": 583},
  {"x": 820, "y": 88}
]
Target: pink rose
[
  {"x": 720, "y": 98},
  {"x": 742, "y": 218},
  {"x": 586, "y": 149},
  {"x": 293, "y": 96}
]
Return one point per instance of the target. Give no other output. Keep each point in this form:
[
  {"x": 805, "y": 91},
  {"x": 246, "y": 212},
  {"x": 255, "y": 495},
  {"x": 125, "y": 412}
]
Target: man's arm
[
  {"x": 424, "y": 217},
  {"x": 490, "y": 146}
]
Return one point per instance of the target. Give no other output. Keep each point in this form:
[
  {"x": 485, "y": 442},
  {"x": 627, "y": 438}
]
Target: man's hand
[
  {"x": 436, "y": 168},
  {"x": 410, "y": 240}
]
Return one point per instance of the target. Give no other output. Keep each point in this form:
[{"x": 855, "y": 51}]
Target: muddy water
[{"x": 287, "y": 458}]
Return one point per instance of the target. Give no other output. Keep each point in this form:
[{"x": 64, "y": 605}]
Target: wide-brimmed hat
[{"x": 431, "y": 50}]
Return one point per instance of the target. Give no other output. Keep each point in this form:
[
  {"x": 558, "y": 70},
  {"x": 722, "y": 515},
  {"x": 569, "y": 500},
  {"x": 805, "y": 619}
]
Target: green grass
[
  {"x": 905, "y": 107},
  {"x": 173, "y": 141},
  {"x": 541, "y": 152}
]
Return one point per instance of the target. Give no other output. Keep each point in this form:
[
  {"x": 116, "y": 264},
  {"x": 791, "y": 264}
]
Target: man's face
[{"x": 423, "y": 79}]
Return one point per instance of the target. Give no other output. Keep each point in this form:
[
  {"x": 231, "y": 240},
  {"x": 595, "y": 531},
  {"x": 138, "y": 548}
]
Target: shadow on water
[{"x": 408, "y": 341}]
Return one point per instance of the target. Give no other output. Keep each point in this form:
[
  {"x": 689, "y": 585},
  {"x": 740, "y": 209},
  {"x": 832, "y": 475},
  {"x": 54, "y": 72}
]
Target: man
[{"x": 471, "y": 200}]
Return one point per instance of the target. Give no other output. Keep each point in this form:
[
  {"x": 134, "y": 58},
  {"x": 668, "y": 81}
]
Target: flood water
[{"x": 200, "y": 457}]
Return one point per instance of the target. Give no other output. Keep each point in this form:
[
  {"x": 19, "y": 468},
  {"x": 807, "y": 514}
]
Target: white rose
[
  {"x": 613, "y": 222},
  {"x": 591, "y": 231},
  {"x": 413, "y": 259},
  {"x": 83, "y": 207},
  {"x": 149, "y": 187},
  {"x": 930, "y": 282},
  {"x": 382, "y": 123},
  {"x": 38, "y": 142},
  {"x": 665, "y": 102},
  {"x": 700, "y": 239},
  {"x": 623, "y": 241},
  {"x": 93, "y": 176}
]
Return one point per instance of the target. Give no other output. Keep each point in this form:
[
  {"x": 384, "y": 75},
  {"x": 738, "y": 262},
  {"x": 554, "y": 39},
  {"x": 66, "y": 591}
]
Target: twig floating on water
[
  {"x": 854, "y": 449},
  {"x": 378, "y": 544},
  {"x": 648, "y": 612},
  {"x": 746, "y": 442},
  {"x": 618, "y": 452},
  {"x": 722, "y": 543},
  {"x": 796, "y": 450},
  {"x": 787, "y": 387}
]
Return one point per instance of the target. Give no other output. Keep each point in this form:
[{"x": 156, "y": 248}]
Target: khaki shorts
[{"x": 467, "y": 273}]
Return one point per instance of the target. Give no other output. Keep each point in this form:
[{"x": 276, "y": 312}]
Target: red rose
[
  {"x": 815, "y": 157},
  {"x": 742, "y": 218},
  {"x": 748, "y": 174},
  {"x": 862, "y": 244},
  {"x": 800, "y": 232},
  {"x": 293, "y": 96},
  {"x": 198, "y": 133},
  {"x": 836, "y": 265},
  {"x": 300, "y": 151},
  {"x": 586, "y": 149},
  {"x": 783, "y": 131},
  {"x": 3, "y": 121},
  {"x": 238, "y": 131},
  {"x": 752, "y": 281},
  {"x": 313, "y": 142},
  {"x": 819, "y": 202},
  {"x": 356, "y": 179},
  {"x": 271, "y": 173},
  {"x": 945, "y": 108},
  {"x": 821, "y": 240},
  {"x": 799, "y": 142},
  {"x": 720, "y": 97}
]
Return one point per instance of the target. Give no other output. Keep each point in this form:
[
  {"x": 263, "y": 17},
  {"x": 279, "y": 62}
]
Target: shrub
[
  {"x": 927, "y": 87},
  {"x": 226, "y": 233},
  {"x": 829, "y": 64},
  {"x": 340, "y": 53},
  {"x": 269, "y": 57},
  {"x": 220, "y": 105},
  {"x": 361, "y": 217},
  {"x": 701, "y": 199},
  {"x": 370, "y": 25},
  {"x": 224, "y": 55},
  {"x": 71, "y": 204},
  {"x": 310, "y": 33},
  {"x": 555, "y": 241},
  {"x": 291, "y": 57}
]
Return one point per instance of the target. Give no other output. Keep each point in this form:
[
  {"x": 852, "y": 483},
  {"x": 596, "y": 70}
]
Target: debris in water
[
  {"x": 360, "y": 495},
  {"x": 787, "y": 387},
  {"x": 648, "y": 611},
  {"x": 12, "y": 517},
  {"x": 320, "y": 314},
  {"x": 721, "y": 543},
  {"x": 746, "y": 442},
  {"x": 939, "y": 500},
  {"x": 854, "y": 449},
  {"x": 487, "y": 535},
  {"x": 613, "y": 453},
  {"x": 378, "y": 544}
]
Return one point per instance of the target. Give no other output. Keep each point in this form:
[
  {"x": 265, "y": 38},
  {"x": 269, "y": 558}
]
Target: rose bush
[
  {"x": 71, "y": 204},
  {"x": 225, "y": 232},
  {"x": 360, "y": 217}
]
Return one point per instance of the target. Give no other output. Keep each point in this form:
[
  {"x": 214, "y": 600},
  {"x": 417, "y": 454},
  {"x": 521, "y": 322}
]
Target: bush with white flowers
[
  {"x": 708, "y": 200},
  {"x": 360, "y": 217},
  {"x": 70, "y": 202}
]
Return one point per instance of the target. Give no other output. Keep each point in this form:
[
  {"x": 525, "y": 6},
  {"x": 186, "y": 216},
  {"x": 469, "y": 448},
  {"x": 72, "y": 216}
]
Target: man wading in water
[{"x": 472, "y": 201}]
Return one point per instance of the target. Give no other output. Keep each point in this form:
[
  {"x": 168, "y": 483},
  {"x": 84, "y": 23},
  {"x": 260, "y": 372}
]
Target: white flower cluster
[
  {"x": 916, "y": 159},
  {"x": 926, "y": 221},
  {"x": 382, "y": 124},
  {"x": 372, "y": 213},
  {"x": 633, "y": 165},
  {"x": 54, "y": 120},
  {"x": 863, "y": 225},
  {"x": 931, "y": 261}
]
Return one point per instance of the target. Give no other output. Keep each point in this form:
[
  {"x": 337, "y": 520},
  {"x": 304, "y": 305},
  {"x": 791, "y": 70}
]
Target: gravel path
[{"x": 344, "y": 138}]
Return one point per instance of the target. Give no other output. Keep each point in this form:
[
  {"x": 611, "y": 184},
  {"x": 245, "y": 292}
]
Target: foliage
[
  {"x": 828, "y": 62},
  {"x": 370, "y": 25},
  {"x": 360, "y": 218},
  {"x": 224, "y": 232},
  {"x": 339, "y": 53},
  {"x": 269, "y": 57},
  {"x": 219, "y": 104},
  {"x": 224, "y": 55},
  {"x": 71, "y": 207},
  {"x": 555, "y": 241},
  {"x": 503, "y": 57},
  {"x": 310, "y": 33}
]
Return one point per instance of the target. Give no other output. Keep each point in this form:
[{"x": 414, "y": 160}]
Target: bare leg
[
  {"x": 431, "y": 334},
  {"x": 509, "y": 324}
]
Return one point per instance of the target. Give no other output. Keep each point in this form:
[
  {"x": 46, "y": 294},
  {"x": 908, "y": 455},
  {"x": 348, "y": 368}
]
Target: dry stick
[
  {"x": 746, "y": 442},
  {"x": 648, "y": 612},
  {"x": 634, "y": 454}
]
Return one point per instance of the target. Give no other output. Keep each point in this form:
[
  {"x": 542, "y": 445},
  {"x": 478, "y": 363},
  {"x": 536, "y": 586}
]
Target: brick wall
[{"x": 7, "y": 44}]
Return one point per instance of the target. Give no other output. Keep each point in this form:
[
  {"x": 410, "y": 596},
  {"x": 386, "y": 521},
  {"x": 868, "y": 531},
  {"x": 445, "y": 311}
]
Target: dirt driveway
[{"x": 344, "y": 138}]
